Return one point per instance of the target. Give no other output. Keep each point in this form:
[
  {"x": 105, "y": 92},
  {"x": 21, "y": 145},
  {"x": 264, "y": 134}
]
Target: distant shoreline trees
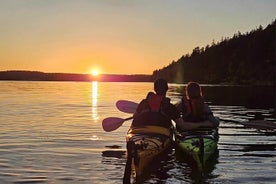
[{"x": 243, "y": 59}]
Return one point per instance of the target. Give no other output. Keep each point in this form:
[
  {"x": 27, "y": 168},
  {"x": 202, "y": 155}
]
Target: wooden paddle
[
  {"x": 112, "y": 123},
  {"x": 130, "y": 107}
]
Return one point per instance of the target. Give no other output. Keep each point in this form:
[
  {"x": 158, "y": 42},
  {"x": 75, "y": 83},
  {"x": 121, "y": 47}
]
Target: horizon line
[{"x": 35, "y": 71}]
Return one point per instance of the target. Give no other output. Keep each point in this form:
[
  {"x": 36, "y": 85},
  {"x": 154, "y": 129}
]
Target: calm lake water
[{"x": 51, "y": 133}]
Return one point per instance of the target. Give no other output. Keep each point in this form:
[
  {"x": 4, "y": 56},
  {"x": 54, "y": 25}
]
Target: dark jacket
[{"x": 155, "y": 110}]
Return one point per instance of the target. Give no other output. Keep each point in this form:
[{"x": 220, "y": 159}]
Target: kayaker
[
  {"x": 156, "y": 108},
  {"x": 194, "y": 111}
]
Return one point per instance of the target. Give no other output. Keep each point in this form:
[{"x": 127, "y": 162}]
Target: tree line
[{"x": 243, "y": 59}]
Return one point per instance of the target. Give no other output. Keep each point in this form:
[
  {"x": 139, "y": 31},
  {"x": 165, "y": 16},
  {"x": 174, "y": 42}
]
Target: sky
[{"x": 118, "y": 36}]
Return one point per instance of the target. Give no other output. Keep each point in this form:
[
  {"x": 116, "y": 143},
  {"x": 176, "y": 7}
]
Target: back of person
[
  {"x": 152, "y": 111},
  {"x": 156, "y": 109},
  {"x": 195, "y": 113},
  {"x": 193, "y": 110},
  {"x": 192, "y": 106}
]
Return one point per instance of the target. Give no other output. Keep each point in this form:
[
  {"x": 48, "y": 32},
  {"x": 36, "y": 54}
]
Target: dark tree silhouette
[{"x": 244, "y": 59}]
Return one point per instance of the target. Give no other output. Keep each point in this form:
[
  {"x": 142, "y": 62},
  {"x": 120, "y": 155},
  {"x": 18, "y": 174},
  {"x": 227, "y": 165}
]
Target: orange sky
[{"x": 116, "y": 36}]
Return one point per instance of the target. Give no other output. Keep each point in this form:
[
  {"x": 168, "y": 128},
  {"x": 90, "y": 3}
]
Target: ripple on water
[
  {"x": 31, "y": 180},
  {"x": 51, "y": 134}
]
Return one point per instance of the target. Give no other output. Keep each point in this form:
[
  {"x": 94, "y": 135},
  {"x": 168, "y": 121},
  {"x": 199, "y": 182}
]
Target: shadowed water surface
[{"x": 51, "y": 133}]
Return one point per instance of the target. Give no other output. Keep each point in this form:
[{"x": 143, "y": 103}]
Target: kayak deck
[
  {"x": 145, "y": 144},
  {"x": 199, "y": 145}
]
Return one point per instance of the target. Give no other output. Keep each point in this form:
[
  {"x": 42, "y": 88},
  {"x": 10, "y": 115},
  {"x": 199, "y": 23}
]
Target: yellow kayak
[{"x": 145, "y": 144}]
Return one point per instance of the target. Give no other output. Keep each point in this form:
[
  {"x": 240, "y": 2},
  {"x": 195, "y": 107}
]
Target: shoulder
[
  {"x": 166, "y": 100},
  {"x": 207, "y": 109},
  {"x": 143, "y": 102},
  {"x": 149, "y": 95},
  {"x": 167, "y": 103},
  {"x": 181, "y": 103},
  {"x": 170, "y": 108},
  {"x": 142, "y": 105}
]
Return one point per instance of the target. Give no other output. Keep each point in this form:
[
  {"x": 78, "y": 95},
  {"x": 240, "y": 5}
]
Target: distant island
[
  {"x": 41, "y": 76},
  {"x": 243, "y": 59}
]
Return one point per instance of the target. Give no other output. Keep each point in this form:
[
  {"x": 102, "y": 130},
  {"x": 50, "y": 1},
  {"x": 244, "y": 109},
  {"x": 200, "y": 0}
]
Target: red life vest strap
[
  {"x": 155, "y": 102},
  {"x": 190, "y": 110}
]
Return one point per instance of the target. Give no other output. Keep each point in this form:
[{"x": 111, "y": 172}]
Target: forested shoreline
[{"x": 243, "y": 59}]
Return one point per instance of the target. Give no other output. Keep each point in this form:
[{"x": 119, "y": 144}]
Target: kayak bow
[
  {"x": 144, "y": 145},
  {"x": 199, "y": 145}
]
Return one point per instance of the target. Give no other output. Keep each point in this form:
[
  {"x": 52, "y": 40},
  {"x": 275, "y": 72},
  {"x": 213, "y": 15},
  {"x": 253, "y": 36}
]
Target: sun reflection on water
[
  {"x": 95, "y": 100},
  {"x": 94, "y": 138}
]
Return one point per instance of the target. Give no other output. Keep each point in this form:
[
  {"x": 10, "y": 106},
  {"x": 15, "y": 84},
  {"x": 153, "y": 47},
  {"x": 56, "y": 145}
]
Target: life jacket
[
  {"x": 154, "y": 102},
  {"x": 193, "y": 110},
  {"x": 153, "y": 114}
]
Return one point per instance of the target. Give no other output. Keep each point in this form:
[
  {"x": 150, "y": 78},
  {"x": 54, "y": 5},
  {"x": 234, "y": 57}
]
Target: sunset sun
[{"x": 95, "y": 72}]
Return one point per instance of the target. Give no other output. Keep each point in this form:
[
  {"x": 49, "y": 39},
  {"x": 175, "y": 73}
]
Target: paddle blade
[
  {"x": 260, "y": 124},
  {"x": 126, "y": 106},
  {"x": 112, "y": 123}
]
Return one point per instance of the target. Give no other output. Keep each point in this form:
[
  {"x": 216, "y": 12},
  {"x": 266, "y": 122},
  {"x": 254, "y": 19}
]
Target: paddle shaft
[
  {"x": 257, "y": 124},
  {"x": 128, "y": 118},
  {"x": 130, "y": 107}
]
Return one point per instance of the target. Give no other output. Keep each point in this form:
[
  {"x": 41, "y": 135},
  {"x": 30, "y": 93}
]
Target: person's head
[
  {"x": 161, "y": 86},
  {"x": 193, "y": 90}
]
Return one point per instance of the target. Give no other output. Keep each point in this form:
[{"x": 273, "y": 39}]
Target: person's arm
[
  {"x": 178, "y": 106},
  {"x": 212, "y": 119},
  {"x": 181, "y": 106},
  {"x": 174, "y": 114},
  {"x": 140, "y": 108}
]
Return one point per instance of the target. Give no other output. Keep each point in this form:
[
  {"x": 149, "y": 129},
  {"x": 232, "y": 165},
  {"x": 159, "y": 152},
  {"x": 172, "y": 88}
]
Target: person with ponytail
[{"x": 194, "y": 111}]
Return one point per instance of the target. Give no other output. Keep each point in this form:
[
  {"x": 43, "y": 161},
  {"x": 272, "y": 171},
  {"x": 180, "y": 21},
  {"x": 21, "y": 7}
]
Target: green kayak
[{"x": 199, "y": 145}]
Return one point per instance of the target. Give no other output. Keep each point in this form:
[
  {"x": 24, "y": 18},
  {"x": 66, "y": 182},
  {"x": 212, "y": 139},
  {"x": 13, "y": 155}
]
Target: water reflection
[
  {"x": 191, "y": 167},
  {"x": 94, "y": 100}
]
